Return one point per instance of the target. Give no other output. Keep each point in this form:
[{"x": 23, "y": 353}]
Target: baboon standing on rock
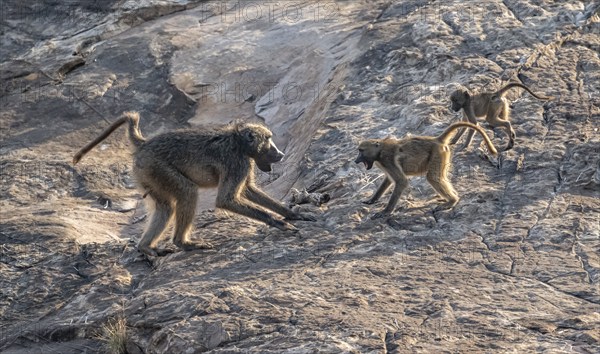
[
  {"x": 491, "y": 105},
  {"x": 171, "y": 167},
  {"x": 414, "y": 156}
]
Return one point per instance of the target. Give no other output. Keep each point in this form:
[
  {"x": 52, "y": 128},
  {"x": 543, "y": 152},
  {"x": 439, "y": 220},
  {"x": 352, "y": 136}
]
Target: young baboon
[
  {"x": 171, "y": 167},
  {"x": 413, "y": 156},
  {"x": 491, "y": 105}
]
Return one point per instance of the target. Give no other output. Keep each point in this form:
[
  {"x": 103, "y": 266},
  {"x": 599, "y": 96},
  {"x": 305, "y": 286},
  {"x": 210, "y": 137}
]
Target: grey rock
[{"x": 514, "y": 267}]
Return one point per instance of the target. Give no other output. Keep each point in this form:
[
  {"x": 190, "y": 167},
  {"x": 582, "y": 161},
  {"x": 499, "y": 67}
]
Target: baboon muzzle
[
  {"x": 273, "y": 155},
  {"x": 361, "y": 159}
]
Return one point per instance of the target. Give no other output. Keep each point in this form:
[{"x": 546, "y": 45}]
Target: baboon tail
[
  {"x": 135, "y": 136},
  {"x": 508, "y": 86},
  {"x": 445, "y": 136}
]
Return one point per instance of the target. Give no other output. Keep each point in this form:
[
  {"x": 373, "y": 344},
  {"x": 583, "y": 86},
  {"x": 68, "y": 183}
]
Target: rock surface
[{"x": 514, "y": 267}]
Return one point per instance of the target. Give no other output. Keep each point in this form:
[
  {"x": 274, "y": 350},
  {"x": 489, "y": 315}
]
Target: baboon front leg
[
  {"x": 243, "y": 208},
  {"x": 470, "y": 114},
  {"x": 160, "y": 219},
  {"x": 401, "y": 182},
  {"x": 255, "y": 195},
  {"x": 228, "y": 198},
  {"x": 379, "y": 192},
  {"x": 461, "y": 131},
  {"x": 512, "y": 136},
  {"x": 437, "y": 176}
]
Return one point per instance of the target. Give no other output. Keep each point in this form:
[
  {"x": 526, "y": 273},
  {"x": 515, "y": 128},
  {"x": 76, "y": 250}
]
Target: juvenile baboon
[
  {"x": 171, "y": 167},
  {"x": 491, "y": 105},
  {"x": 413, "y": 156}
]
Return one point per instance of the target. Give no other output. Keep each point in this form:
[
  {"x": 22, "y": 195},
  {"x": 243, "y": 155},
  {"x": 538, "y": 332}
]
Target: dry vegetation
[{"x": 114, "y": 335}]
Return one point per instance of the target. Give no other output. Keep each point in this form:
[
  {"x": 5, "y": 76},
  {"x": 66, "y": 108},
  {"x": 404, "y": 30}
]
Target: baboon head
[
  {"x": 459, "y": 98},
  {"x": 257, "y": 144},
  {"x": 368, "y": 152}
]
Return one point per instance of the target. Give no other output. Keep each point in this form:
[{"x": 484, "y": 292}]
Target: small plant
[{"x": 114, "y": 335}]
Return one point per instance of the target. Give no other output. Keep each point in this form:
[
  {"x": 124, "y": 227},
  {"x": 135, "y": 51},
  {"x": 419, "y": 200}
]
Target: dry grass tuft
[{"x": 114, "y": 335}]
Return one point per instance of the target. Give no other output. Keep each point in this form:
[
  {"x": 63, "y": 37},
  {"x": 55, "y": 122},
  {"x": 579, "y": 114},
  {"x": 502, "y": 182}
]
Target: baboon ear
[{"x": 248, "y": 136}]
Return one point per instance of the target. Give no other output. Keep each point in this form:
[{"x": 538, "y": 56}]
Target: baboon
[
  {"x": 491, "y": 105},
  {"x": 413, "y": 156},
  {"x": 171, "y": 167}
]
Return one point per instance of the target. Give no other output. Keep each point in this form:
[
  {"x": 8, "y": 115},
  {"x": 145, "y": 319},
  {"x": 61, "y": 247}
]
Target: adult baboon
[
  {"x": 170, "y": 167},
  {"x": 412, "y": 156},
  {"x": 491, "y": 105}
]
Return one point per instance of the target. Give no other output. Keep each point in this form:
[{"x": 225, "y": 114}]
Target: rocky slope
[{"x": 514, "y": 267}]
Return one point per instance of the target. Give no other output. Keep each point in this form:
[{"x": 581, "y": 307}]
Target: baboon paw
[
  {"x": 148, "y": 251},
  {"x": 303, "y": 217},
  {"x": 151, "y": 252},
  {"x": 163, "y": 252},
  {"x": 444, "y": 206},
  {"x": 379, "y": 215},
  {"x": 290, "y": 227},
  {"x": 190, "y": 246},
  {"x": 284, "y": 226},
  {"x": 368, "y": 202},
  {"x": 306, "y": 217}
]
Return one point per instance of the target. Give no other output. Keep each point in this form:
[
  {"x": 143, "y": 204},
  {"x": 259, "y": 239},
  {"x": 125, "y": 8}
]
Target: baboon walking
[
  {"x": 413, "y": 156},
  {"x": 491, "y": 105},
  {"x": 171, "y": 167}
]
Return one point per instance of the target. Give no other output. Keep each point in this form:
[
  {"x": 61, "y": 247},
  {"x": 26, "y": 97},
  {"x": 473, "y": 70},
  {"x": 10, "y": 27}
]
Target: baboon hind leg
[
  {"x": 437, "y": 176},
  {"x": 498, "y": 117},
  {"x": 160, "y": 219},
  {"x": 185, "y": 211},
  {"x": 175, "y": 196}
]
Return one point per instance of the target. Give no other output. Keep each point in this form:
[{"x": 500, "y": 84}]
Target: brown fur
[
  {"x": 413, "y": 156},
  {"x": 491, "y": 105},
  {"x": 171, "y": 167}
]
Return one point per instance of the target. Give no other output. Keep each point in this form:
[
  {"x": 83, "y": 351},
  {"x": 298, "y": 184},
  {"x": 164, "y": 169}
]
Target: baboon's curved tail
[
  {"x": 135, "y": 136},
  {"x": 510, "y": 85},
  {"x": 445, "y": 136}
]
